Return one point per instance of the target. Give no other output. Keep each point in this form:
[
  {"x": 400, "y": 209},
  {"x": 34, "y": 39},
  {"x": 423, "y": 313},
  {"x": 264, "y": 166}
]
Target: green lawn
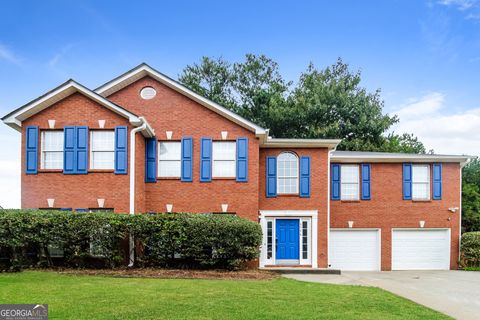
[{"x": 97, "y": 297}]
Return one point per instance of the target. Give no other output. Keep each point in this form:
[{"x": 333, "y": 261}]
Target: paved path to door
[{"x": 455, "y": 293}]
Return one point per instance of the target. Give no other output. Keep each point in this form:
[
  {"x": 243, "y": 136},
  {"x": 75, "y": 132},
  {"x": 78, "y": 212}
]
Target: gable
[
  {"x": 143, "y": 70},
  {"x": 16, "y": 117},
  {"x": 172, "y": 111}
]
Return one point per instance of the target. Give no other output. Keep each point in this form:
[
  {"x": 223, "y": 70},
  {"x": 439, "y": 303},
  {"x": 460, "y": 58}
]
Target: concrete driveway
[{"x": 455, "y": 293}]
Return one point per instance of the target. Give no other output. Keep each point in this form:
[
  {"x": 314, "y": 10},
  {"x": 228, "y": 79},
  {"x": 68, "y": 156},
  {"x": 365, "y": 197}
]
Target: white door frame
[
  {"x": 271, "y": 215},
  {"x": 379, "y": 231},
  {"x": 449, "y": 231}
]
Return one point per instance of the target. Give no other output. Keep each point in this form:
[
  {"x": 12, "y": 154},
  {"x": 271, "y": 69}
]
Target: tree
[
  {"x": 211, "y": 79},
  {"x": 471, "y": 196},
  {"x": 328, "y": 103}
]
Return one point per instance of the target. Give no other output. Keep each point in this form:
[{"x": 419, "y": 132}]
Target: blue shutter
[
  {"x": 242, "y": 159},
  {"x": 206, "y": 160},
  {"x": 151, "y": 160},
  {"x": 407, "y": 181},
  {"x": 121, "y": 153},
  {"x": 437, "y": 181},
  {"x": 271, "y": 177},
  {"x": 335, "y": 176},
  {"x": 366, "y": 175},
  {"x": 31, "y": 150},
  {"x": 305, "y": 177},
  {"x": 81, "y": 150},
  {"x": 187, "y": 152},
  {"x": 69, "y": 150}
]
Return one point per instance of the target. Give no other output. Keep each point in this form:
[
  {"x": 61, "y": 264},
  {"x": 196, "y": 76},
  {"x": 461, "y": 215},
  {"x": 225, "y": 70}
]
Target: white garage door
[
  {"x": 425, "y": 249},
  {"x": 356, "y": 250}
]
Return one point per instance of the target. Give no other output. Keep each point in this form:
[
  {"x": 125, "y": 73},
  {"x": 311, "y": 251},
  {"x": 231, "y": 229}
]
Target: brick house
[{"x": 143, "y": 142}]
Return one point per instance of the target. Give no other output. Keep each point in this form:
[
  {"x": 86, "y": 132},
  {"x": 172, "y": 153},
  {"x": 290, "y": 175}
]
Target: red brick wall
[
  {"x": 76, "y": 191},
  {"x": 318, "y": 196},
  {"x": 388, "y": 210},
  {"x": 171, "y": 111}
]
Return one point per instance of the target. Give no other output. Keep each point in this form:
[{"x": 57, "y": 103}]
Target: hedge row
[
  {"x": 30, "y": 238},
  {"x": 470, "y": 249}
]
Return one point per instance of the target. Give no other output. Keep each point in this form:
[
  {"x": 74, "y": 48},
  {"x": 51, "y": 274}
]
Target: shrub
[
  {"x": 31, "y": 238},
  {"x": 470, "y": 249}
]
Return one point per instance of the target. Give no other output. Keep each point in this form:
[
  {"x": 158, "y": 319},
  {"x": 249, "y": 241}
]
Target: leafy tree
[
  {"x": 328, "y": 103},
  {"x": 212, "y": 79},
  {"x": 407, "y": 143},
  {"x": 471, "y": 196}
]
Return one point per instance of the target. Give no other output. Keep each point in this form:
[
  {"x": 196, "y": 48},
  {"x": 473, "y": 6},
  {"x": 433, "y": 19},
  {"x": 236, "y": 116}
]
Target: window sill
[
  {"x": 101, "y": 171},
  {"x": 50, "y": 170},
  {"x": 224, "y": 178},
  {"x": 420, "y": 201},
  {"x": 288, "y": 195},
  {"x": 168, "y": 178},
  {"x": 350, "y": 201}
]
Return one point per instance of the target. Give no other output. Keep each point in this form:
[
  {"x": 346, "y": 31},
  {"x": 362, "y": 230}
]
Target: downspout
[
  {"x": 329, "y": 183},
  {"x": 132, "y": 186}
]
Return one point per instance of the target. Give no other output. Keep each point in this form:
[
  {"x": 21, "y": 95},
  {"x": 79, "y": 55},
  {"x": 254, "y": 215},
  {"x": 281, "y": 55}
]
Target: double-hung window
[
  {"x": 52, "y": 150},
  {"x": 169, "y": 159},
  {"x": 421, "y": 182},
  {"x": 224, "y": 159},
  {"x": 102, "y": 149},
  {"x": 350, "y": 181},
  {"x": 287, "y": 176}
]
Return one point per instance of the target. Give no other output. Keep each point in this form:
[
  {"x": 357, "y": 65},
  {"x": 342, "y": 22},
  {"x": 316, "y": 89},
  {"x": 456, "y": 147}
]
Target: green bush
[
  {"x": 30, "y": 238},
  {"x": 470, "y": 249}
]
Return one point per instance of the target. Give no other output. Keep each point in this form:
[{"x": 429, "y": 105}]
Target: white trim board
[{"x": 385, "y": 157}]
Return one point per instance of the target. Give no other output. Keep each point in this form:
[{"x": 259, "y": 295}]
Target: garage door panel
[
  {"x": 354, "y": 250},
  {"x": 421, "y": 249}
]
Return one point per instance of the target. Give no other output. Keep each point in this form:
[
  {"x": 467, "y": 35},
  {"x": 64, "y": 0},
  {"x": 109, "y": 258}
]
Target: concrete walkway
[{"x": 455, "y": 293}]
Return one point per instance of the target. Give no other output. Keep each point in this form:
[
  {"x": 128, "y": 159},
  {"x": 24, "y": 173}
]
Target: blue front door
[{"x": 287, "y": 239}]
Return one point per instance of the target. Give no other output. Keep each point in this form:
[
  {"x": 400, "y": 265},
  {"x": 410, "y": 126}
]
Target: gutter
[{"x": 144, "y": 125}]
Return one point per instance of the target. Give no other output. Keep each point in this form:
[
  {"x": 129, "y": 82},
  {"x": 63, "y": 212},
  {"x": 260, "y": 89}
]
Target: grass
[
  {"x": 471, "y": 268},
  {"x": 99, "y": 297}
]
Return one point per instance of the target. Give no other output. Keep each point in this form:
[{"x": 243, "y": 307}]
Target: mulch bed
[{"x": 173, "y": 273}]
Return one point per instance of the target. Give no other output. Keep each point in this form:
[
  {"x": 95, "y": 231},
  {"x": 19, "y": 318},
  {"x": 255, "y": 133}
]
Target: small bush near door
[
  {"x": 470, "y": 250},
  {"x": 42, "y": 238}
]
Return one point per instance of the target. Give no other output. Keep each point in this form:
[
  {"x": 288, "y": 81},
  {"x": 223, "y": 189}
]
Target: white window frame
[
  {"x": 429, "y": 185},
  {"x": 349, "y": 183},
  {"x": 232, "y": 161},
  {"x": 303, "y": 215},
  {"x": 92, "y": 152},
  {"x": 179, "y": 160},
  {"x": 44, "y": 152},
  {"x": 297, "y": 177}
]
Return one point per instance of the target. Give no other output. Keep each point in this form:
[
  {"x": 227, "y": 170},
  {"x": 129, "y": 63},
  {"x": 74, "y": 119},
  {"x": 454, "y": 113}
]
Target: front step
[{"x": 299, "y": 270}]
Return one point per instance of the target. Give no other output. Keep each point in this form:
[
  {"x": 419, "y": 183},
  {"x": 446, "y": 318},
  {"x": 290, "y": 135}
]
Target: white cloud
[
  {"x": 8, "y": 55},
  {"x": 60, "y": 54},
  {"x": 10, "y": 184},
  {"x": 460, "y": 4},
  {"x": 9, "y": 167},
  {"x": 445, "y": 133}
]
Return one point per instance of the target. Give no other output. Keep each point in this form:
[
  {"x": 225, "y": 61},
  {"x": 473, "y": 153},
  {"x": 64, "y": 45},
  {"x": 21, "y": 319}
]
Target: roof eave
[
  {"x": 398, "y": 159},
  {"x": 331, "y": 144},
  {"x": 14, "y": 119}
]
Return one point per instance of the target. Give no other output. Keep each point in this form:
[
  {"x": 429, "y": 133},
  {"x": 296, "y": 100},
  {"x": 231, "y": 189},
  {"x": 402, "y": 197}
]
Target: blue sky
[{"x": 424, "y": 55}]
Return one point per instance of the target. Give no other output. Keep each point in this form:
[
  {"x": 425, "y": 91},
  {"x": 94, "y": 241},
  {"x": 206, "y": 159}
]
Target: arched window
[{"x": 287, "y": 173}]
